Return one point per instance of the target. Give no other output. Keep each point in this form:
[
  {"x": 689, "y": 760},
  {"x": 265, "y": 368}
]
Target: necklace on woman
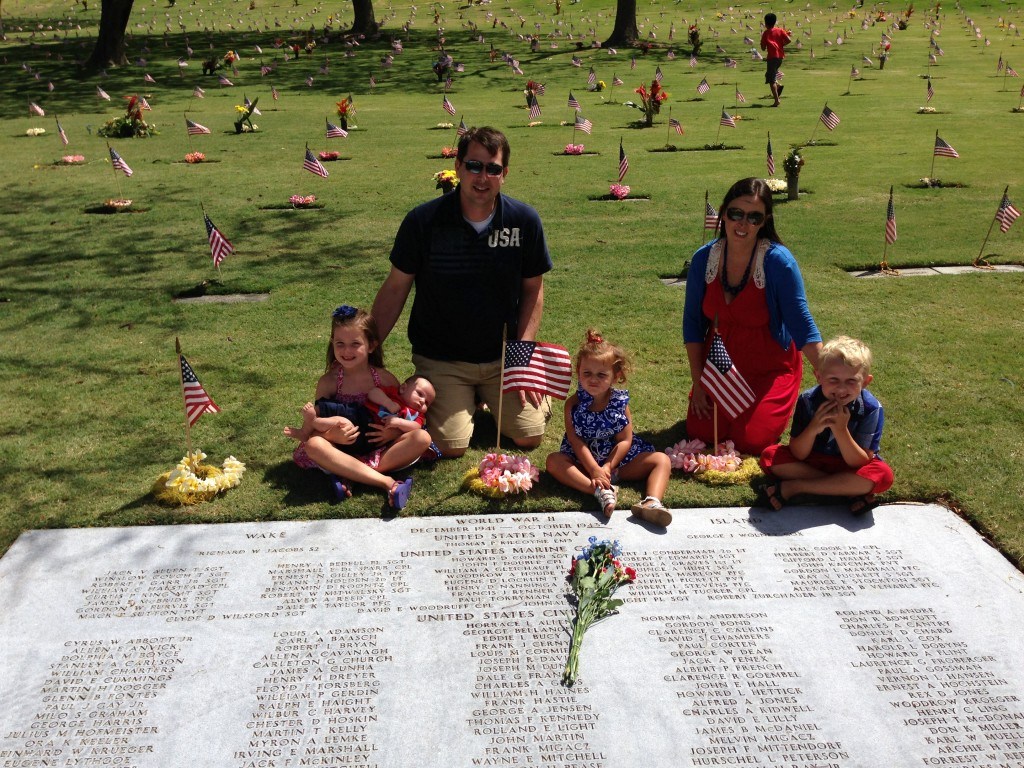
[{"x": 734, "y": 290}]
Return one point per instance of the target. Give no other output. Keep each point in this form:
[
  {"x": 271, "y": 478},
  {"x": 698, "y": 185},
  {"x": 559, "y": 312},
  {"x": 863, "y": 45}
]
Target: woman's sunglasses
[
  {"x": 754, "y": 217},
  {"x": 475, "y": 167}
]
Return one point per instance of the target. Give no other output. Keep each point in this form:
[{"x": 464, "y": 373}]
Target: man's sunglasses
[
  {"x": 754, "y": 217},
  {"x": 475, "y": 167}
]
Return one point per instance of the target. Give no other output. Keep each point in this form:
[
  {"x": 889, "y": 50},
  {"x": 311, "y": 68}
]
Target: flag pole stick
[
  {"x": 735, "y": 96},
  {"x": 181, "y": 382},
  {"x": 719, "y": 133},
  {"x": 931, "y": 173},
  {"x": 668, "y": 128},
  {"x": 980, "y": 262},
  {"x": 501, "y": 389},
  {"x": 117, "y": 181}
]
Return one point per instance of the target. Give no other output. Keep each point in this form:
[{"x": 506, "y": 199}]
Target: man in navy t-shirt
[{"x": 477, "y": 258}]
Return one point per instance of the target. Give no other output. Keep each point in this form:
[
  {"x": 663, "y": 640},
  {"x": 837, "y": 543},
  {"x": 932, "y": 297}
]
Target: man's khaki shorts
[{"x": 459, "y": 387}]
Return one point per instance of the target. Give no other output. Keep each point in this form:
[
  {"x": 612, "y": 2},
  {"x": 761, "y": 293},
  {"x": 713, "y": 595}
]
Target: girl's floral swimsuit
[
  {"x": 598, "y": 428},
  {"x": 372, "y": 459}
]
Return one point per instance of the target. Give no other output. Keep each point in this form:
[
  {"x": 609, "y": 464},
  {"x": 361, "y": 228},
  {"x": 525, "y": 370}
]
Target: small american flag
[
  {"x": 335, "y": 132},
  {"x": 929, "y": 91},
  {"x": 197, "y": 402},
  {"x": 573, "y": 103},
  {"x": 577, "y": 61},
  {"x": 770, "y": 156},
  {"x": 145, "y": 104},
  {"x": 35, "y": 109},
  {"x": 540, "y": 89},
  {"x": 731, "y": 63},
  {"x": 591, "y": 77},
  {"x": 534, "y": 107},
  {"x": 1011, "y": 71},
  {"x": 462, "y": 130},
  {"x": 219, "y": 245},
  {"x": 60, "y": 131},
  {"x": 265, "y": 70},
  {"x": 829, "y": 118},
  {"x": 854, "y": 72},
  {"x": 740, "y": 98},
  {"x": 118, "y": 162},
  {"x": 867, "y": 60},
  {"x": 623, "y": 162},
  {"x": 616, "y": 80},
  {"x": 890, "y": 221},
  {"x": 148, "y": 78},
  {"x": 273, "y": 93},
  {"x": 373, "y": 81},
  {"x": 710, "y": 217},
  {"x": 448, "y": 83},
  {"x": 703, "y": 87},
  {"x": 447, "y": 106},
  {"x": 658, "y": 74},
  {"x": 311, "y": 164},
  {"x": 533, "y": 366},
  {"x": 102, "y": 94},
  {"x": 723, "y": 382},
  {"x": 223, "y": 80},
  {"x": 942, "y": 149},
  {"x": 198, "y": 92},
  {"x": 195, "y": 129},
  {"x": 727, "y": 120},
  {"x": 1006, "y": 214},
  {"x": 999, "y": 64},
  {"x": 632, "y": 62},
  {"x": 583, "y": 124},
  {"x": 693, "y": 61},
  {"x": 309, "y": 81},
  {"x": 675, "y": 125}
]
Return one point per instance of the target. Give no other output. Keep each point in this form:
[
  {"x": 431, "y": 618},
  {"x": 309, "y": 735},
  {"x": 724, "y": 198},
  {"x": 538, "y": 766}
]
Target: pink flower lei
[
  {"x": 509, "y": 474},
  {"x": 688, "y": 456}
]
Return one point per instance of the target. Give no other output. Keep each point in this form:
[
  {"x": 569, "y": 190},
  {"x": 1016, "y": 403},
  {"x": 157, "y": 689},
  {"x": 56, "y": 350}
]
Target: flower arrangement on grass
[
  {"x": 776, "y": 185},
  {"x": 329, "y": 156},
  {"x": 72, "y": 160},
  {"x": 446, "y": 180},
  {"x": 449, "y": 151},
  {"x": 600, "y": 85},
  {"x": 725, "y": 466},
  {"x": 192, "y": 158},
  {"x": 243, "y": 117},
  {"x": 619, "y": 191},
  {"x": 595, "y": 575},
  {"x": 192, "y": 482},
  {"x": 535, "y": 123},
  {"x": 119, "y": 204},
  {"x": 35, "y": 131},
  {"x": 302, "y": 201},
  {"x": 445, "y": 126},
  {"x": 650, "y": 101},
  {"x": 926, "y": 110},
  {"x": 500, "y": 474},
  {"x": 793, "y": 163},
  {"x": 574, "y": 149},
  {"x": 130, "y": 124},
  {"x": 346, "y": 111}
]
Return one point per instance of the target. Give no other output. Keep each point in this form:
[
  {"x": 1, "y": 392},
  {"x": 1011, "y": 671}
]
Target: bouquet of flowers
[
  {"x": 302, "y": 201},
  {"x": 724, "y": 466},
  {"x": 195, "y": 157},
  {"x": 499, "y": 474},
  {"x": 329, "y": 156},
  {"x": 449, "y": 151},
  {"x": 574, "y": 149},
  {"x": 594, "y": 576},
  {"x": 619, "y": 191},
  {"x": 793, "y": 163},
  {"x": 129, "y": 124},
  {"x": 72, "y": 160},
  {"x": 446, "y": 180},
  {"x": 650, "y": 101},
  {"x": 35, "y": 131},
  {"x": 346, "y": 111},
  {"x": 192, "y": 482}
]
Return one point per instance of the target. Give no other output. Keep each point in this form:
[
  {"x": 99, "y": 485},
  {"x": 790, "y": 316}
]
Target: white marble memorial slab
[{"x": 806, "y": 638}]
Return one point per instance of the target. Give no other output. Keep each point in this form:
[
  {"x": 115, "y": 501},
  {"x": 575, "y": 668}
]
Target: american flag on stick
[
  {"x": 102, "y": 94},
  {"x": 573, "y": 102},
  {"x": 942, "y": 149},
  {"x": 591, "y": 77},
  {"x": 35, "y": 109},
  {"x": 60, "y": 132},
  {"x": 623, "y": 162},
  {"x": 311, "y": 164},
  {"x": 770, "y": 157},
  {"x": 534, "y": 366},
  {"x": 197, "y": 401},
  {"x": 118, "y": 162},
  {"x": 829, "y": 118},
  {"x": 710, "y": 216},
  {"x": 890, "y": 221},
  {"x": 727, "y": 120},
  {"x": 195, "y": 129},
  {"x": 447, "y": 106},
  {"x": 703, "y": 86},
  {"x": 198, "y": 92},
  {"x": 723, "y": 382},
  {"x": 463, "y": 129},
  {"x": 335, "y": 132},
  {"x": 583, "y": 124},
  {"x": 616, "y": 80},
  {"x": 219, "y": 245},
  {"x": 676, "y": 126},
  {"x": 534, "y": 107},
  {"x": 1007, "y": 213},
  {"x": 221, "y": 80},
  {"x": 929, "y": 91},
  {"x": 658, "y": 74}
]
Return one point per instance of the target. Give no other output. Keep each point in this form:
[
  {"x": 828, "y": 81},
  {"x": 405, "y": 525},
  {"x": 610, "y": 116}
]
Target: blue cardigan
[{"x": 789, "y": 316}]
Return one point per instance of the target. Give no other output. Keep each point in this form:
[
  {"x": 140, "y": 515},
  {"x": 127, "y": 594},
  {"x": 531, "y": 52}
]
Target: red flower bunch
[{"x": 655, "y": 96}]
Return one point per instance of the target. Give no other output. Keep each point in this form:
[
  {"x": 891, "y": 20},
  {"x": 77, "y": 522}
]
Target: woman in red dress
[{"x": 747, "y": 284}]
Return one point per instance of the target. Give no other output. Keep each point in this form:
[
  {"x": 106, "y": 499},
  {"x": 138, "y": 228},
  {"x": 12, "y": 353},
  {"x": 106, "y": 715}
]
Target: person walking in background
[{"x": 773, "y": 41}]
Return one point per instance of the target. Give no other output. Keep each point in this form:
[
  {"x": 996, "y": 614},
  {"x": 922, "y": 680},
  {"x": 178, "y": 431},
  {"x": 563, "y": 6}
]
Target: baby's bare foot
[{"x": 302, "y": 433}]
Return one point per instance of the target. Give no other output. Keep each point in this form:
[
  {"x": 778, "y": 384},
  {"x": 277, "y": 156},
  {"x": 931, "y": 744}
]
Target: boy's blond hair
[{"x": 848, "y": 351}]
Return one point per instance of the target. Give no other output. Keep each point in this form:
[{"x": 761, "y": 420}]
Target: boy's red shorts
[{"x": 876, "y": 470}]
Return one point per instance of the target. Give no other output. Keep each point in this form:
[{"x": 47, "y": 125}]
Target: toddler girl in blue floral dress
[{"x": 599, "y": 444}]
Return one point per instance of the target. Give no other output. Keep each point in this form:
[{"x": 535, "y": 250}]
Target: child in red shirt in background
[{"x": 773, "y": 41}]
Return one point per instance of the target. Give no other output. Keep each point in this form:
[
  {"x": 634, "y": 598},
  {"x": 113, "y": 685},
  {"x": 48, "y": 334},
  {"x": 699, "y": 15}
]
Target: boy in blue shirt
[{"x": 835, "y": 437}]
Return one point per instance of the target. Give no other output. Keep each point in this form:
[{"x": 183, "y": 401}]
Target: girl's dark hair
[
  {"x": 597, "y": 348},
  {"x": 346, "y": 316},
  {"x": 752, "y": 187}
]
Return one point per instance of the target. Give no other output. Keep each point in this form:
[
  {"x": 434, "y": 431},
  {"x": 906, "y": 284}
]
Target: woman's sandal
[
  {"x": 341, "y": 490},
  {"x": 861, "y": 505},
  {"x": 607, "y": 498},
  {"x": 398, "y": 496},
  {"x": 653, "y": 511},
  {"x": 770, "y": 497}
]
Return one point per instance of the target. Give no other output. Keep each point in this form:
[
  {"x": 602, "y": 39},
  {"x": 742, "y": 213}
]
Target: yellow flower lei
[{"x": 192, "y": 482}]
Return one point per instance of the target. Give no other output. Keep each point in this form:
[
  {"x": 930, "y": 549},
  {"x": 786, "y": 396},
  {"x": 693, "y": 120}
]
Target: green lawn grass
[{"x": 92, "y": 411}]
